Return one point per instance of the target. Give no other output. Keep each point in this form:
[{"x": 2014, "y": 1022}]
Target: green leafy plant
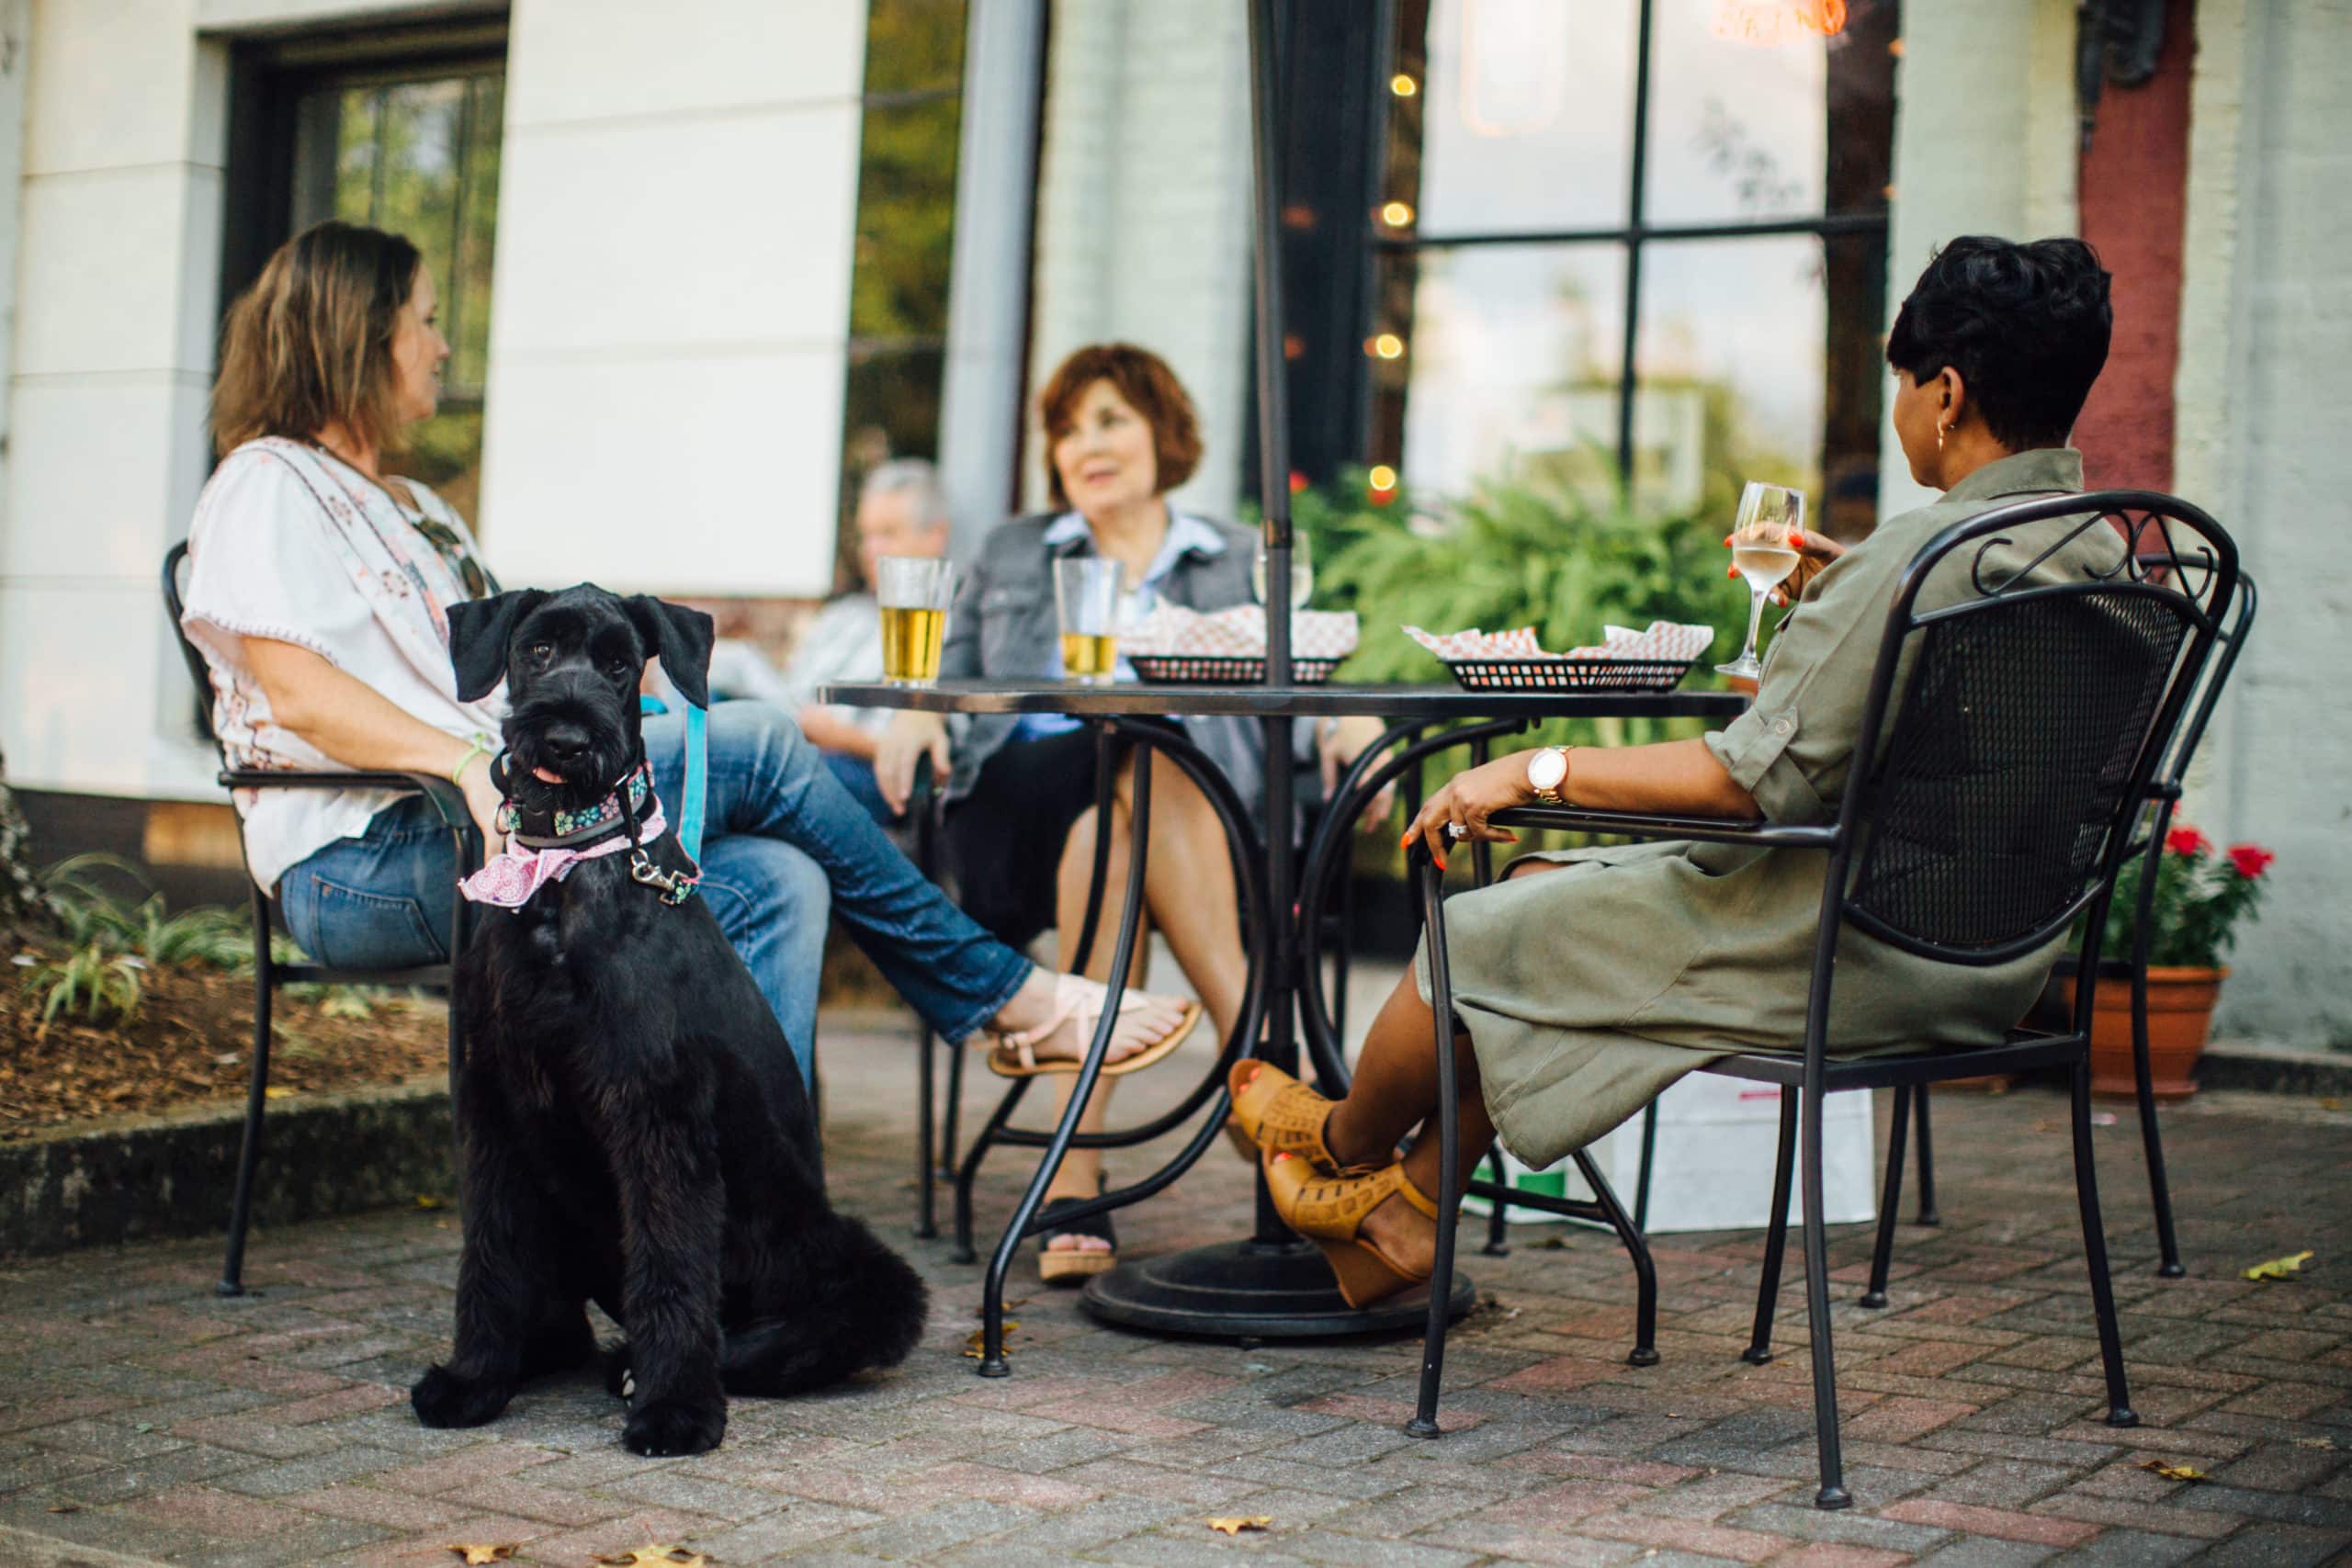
[
  {"x": 89, "y": 981},
  {"x": 2201, "y": 896},
  {"x": 94, "y": 915}
]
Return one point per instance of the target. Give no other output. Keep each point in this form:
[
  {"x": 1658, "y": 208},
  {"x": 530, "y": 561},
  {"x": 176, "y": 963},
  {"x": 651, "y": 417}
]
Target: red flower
[
  {"x": 2186, "y": 841},
  {"x": 2250, "y": 860}
]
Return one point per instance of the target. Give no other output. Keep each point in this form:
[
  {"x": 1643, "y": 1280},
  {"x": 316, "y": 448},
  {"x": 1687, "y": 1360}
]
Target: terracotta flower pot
[{"x": 2180, "y": 1014}]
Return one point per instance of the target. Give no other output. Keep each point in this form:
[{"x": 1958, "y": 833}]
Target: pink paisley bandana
[{"x": 510, "y": 879}]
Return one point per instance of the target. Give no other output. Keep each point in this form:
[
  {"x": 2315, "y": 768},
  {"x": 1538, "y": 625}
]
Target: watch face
[{"x": 1546, "y": 769}]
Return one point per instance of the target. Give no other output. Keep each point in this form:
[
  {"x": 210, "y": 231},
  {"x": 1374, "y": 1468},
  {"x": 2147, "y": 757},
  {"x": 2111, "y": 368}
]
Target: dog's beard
[{"x": 536, "y": 782}]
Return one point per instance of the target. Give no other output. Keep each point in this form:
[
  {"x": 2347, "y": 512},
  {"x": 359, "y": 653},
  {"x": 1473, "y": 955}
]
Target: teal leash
[{"x": 690, "y": 810}]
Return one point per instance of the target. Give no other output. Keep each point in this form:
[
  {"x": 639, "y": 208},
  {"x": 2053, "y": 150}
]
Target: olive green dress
[{"x": 1588, "y": 991}]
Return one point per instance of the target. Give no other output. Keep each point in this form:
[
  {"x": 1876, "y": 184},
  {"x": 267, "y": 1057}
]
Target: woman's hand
[
  {"x": 911, "y": 737},
  {"x": 1338, "y": 743},
  {"x": 483, "y": 801},
  {"x": 1469, "y": 799},
  {"x": 1813, "y": 552}
]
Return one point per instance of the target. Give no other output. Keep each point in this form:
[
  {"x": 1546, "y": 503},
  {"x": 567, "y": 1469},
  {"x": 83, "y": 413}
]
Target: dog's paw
[
  {"x": 668, "y": 1428},
  {"x": 442, "y": 1398},
  {"x": 618, "y": 1383}
]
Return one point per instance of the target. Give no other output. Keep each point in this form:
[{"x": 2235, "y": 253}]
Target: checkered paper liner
[
  {"x": 1224, "y": 670},
  {"x": 1653, "y": 659},
  {"x": 1171, "y": 631}
]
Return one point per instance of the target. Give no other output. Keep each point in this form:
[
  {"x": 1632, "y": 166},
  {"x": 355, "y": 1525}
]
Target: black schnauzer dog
[{"x": 634, "y": 1132}]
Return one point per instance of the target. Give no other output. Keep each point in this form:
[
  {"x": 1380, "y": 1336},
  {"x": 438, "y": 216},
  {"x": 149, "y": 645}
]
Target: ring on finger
[{"x": 1456, "y": 830}]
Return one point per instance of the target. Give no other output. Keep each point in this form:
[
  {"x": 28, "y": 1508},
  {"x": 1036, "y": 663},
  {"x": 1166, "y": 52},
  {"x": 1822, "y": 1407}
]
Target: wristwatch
[{"x": 1546, "y": 772}]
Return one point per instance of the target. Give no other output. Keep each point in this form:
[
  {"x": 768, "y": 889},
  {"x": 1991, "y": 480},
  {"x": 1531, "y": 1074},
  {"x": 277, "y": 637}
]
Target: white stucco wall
[
  {"x": 671, "y": 309},
  {"x": 1143, "y": 211},
  {"x": 2264, "y": 379},
  {"x": 1984, "y": 140}
]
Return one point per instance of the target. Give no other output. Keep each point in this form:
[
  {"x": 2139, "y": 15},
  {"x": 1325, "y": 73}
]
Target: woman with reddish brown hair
[{"x": 1120, "y": 434}]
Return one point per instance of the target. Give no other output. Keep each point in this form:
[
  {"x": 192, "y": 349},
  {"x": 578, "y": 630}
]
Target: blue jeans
[
  {"x": 783, "y": 840},
  {"x": 857, "y": 775}
]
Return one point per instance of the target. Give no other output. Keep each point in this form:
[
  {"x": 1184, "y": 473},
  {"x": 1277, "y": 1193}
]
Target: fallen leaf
[
  {"x": 66, "y": 1509},
  {"x": 427, "y": 1201},
  {"x": 142, "y": 1425},
  {"x": 2173, "y": 1471},
  {"x": 2279, "y": 1268},
  {"x": 2329, "y": 1103},
  {"x": 975, "y": 1343},
  {"x": 649, "y": 1556},
  {"x": 472, "y": 1553},
  {"x": 274, "y": 1092},
  {"x": 1236, "y": 1526},
  {"x": 2328, "y": 1443}
]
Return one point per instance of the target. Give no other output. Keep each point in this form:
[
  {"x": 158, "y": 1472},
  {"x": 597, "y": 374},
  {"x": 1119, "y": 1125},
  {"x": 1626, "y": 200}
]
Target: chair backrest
[
  {"x": 175, "y": 560},
  {"x": 2036, "y": 714},
  {"x": 2228, "y": 644}
]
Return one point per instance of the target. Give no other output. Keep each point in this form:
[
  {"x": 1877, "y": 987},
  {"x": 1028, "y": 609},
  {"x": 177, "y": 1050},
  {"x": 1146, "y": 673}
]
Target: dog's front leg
[
  {"x": 673, "y": 1211},
  {"x": 508, "y": 1276}
]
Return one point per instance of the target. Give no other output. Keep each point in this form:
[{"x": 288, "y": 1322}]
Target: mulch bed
[{"x": 188, "y": 1044}]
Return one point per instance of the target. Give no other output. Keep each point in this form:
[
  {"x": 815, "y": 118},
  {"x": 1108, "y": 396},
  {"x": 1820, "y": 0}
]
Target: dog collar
[{"x": 580, "y": 827}]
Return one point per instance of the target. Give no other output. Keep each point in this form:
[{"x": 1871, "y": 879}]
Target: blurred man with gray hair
[{"x": 901, "y": 512}]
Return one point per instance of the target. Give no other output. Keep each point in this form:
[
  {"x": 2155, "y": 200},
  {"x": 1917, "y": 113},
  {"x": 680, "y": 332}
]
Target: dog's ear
[
  {"x": 480, "y": 630},
  {"x": 682, "y": 638}
]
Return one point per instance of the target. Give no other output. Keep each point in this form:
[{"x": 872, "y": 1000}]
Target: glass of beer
[
  {"x": 1086, "y": 592},
  {"x": 914, "y": 592}
]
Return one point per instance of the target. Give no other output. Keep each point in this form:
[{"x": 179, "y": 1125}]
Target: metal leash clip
[{"x": 675, "y": 886}]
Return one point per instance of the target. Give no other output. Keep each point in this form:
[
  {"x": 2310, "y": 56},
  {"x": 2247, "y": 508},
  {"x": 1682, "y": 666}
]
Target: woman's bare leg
[{"x": 1394, "y": 1091}]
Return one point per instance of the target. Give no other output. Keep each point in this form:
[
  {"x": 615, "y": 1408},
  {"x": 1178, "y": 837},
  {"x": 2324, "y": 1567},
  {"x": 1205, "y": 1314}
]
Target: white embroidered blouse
[{"x": 292, "y": 544}]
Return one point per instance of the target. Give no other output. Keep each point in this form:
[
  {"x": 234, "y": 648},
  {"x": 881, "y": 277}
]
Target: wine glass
[
  {"x": 1302, "y": 571},
  {"x": 1761, "y": 552}
]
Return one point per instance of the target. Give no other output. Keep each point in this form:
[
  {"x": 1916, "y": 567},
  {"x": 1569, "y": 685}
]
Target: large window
[
  {"x": 906, "y": 228},
  {"x": 398, "y": 128},
  {"x": 1618, "y": 244}
]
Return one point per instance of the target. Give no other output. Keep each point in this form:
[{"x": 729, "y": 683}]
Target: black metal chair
[
  {"x": 447, "y": 799},
  {"x": 2163, "y": 797},
  {"x": 2000, "y": 807}
]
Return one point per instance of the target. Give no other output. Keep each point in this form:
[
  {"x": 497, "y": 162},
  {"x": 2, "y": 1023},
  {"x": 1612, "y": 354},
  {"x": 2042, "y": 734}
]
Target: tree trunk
[{"x": 22, "y": 900}]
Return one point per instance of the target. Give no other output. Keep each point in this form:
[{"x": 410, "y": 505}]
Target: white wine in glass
[
  {"x": 1302, "y": 571},
  {"x": 1761, "y": 553}
]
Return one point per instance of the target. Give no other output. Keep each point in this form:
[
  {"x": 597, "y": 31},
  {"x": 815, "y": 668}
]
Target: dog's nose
[{"x": 565, "y": 743}]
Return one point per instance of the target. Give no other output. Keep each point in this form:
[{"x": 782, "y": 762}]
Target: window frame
[{"x": 1631, "y": 237}]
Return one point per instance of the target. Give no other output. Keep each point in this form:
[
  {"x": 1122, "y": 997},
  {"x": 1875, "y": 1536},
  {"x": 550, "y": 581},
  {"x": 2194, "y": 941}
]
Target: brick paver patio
[{"x": 146, "y": 1419}]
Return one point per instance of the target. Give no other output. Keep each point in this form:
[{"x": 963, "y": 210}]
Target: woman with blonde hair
[{"x": 319, "y": 591}]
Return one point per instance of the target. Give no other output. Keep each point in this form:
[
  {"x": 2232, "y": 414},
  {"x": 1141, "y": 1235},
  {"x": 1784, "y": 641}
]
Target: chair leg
[
  {"x": 2143, "y": 1081},
  {"x": 232, "y": 1263},
  {"x": 1637, "y": 1248},
  {"x": 1449, "y": 1182},
  {"x": 1890, "y": 1197},
  {"x": 1833, "y": 1492},
  {"x": 2110, "y": 1339},
  {"x": 1929, "y": 1214},
  {"x": 969, "y": 1171},
  {"x": 952, "y": 1116},
  {"x": 926, "y": 1171},
  {"x": 1499, "y": 1212},
  {"x": 1776, "y": 1236},
  {"x": 1649, "y": 1161}
]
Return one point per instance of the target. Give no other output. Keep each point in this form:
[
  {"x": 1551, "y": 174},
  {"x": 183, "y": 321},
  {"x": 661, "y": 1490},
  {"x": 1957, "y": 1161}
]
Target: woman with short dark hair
[
  {"x": 318, "y": 591},
  {"x": 1585, "y": 982}
]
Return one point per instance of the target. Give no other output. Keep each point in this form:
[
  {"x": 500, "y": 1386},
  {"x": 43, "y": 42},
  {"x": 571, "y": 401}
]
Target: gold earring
[{"x": 1941, "y": 430}]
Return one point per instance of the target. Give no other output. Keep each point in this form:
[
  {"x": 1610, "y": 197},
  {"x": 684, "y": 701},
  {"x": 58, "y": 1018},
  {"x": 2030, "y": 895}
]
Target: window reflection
[
  {"x": 1528, "y": 112},
  {"x": 1736, "y": 132},
  {"x": 1513, "y": 367}
]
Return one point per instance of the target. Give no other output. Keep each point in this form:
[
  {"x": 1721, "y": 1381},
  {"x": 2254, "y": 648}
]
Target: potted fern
[{"x": 2201, "y": 894}]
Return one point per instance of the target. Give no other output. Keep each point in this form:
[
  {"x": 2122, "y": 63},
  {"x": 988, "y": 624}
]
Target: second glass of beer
[
  {"x": 915, "y": 590},
  {"x": 1086, "y": 594}
]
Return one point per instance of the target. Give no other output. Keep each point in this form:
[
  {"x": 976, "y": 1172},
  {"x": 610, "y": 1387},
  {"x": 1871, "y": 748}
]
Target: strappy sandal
[
  {"x": 1073, "y": 1264},
  {"x": 1278, "y": 1114},
  {"x": 1330, "y": 1212},
  {"x": 1076, "y": 996}
]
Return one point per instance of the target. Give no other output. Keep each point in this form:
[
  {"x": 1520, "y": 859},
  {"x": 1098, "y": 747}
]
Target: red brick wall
[{"x": 2133, "y": 196}]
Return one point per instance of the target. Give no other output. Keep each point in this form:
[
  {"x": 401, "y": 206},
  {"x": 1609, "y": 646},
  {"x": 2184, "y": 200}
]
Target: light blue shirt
[{"x": 1186, "y": 534}]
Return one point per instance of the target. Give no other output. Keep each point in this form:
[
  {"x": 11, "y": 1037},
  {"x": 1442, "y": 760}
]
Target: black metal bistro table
[{"x": 1271, "y": 1284}]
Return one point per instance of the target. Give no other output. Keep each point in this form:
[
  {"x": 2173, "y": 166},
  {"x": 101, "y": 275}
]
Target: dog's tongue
[{"x": 547, "y": 775}]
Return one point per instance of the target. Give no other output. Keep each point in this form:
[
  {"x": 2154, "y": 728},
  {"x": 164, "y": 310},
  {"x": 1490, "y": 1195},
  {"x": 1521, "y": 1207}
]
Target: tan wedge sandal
[
  {"x": 1274, "y": 1113},
  {"x": 1330, "y": 1211}
]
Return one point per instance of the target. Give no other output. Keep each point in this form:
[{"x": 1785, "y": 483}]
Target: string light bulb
[
  {"x": 1404, "y": 86},
  {"x": 1397, "y": 214},
  {"x": 1381, "y": 477},
  {"x": 1385, "y": 345}
]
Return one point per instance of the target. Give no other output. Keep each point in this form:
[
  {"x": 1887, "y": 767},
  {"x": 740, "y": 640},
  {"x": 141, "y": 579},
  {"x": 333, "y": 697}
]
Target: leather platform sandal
[
  {"x": 1276, "y": 1113},
  {"x": 1329, "y": 1211},
  {"x": 1070, "y": 1266}
]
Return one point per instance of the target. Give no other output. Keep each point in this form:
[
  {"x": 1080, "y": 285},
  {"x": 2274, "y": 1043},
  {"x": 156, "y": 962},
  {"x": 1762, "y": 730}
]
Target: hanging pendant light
[{"x": 1768, "y": 24}]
